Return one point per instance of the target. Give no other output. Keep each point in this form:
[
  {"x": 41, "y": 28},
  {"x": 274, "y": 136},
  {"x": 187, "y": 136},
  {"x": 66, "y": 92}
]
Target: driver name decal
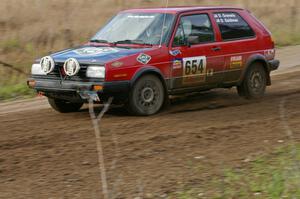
[{"x": 223, "y": 18}]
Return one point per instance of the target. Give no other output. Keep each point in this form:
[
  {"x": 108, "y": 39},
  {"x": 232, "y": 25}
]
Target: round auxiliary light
[
  {"x": 47, "y": 64},
  {"x": 71, "y": 67}
]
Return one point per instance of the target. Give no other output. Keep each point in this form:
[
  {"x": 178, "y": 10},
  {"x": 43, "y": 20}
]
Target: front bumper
[
  {"x": 74, "y": 90},
  {"x": 273, "y": 64}
]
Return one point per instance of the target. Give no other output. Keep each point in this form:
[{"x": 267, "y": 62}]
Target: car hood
[{"x": 93, "y": 54}]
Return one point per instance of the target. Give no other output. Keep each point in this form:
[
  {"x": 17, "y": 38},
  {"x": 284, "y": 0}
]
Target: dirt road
[{"x": 44, "y": 154}]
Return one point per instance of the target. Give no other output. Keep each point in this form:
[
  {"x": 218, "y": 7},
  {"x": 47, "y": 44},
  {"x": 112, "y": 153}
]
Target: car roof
[{"x": 179, "y": 9}]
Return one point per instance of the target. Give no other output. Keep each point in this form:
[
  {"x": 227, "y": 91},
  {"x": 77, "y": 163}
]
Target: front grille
[{"x": 58, "y": 74}]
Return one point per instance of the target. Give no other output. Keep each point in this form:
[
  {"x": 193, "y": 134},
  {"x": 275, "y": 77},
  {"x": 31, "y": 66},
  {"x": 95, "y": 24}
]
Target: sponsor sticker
[
  {"x": 210, "y": 72},
  {"x": 194, "y": 70},
  {"x": 236, "y": 62},
  {"x": 141, "y": 16},
  {"x": 177, "y": 64},
  {"x": 95, "y": 50},
  {"x": 143, "y": 58},
  {"x": 175, "y": 52}
]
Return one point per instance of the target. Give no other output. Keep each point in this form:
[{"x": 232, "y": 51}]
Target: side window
[
  {"x": 194, "y": 29},
  {"x": 233, "y": 26}
]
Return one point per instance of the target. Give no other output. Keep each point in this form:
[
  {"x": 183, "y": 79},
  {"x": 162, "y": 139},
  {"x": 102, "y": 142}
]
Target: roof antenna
[{"x": 163, "y": 25}]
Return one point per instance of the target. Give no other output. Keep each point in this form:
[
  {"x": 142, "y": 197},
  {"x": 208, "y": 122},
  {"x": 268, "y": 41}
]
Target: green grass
[
  {"x": 19, "y": 90},
  {"x": 273, "y": 176},
  {"x": 282, "y": 39},
  {"x": 11, "y": 44}
]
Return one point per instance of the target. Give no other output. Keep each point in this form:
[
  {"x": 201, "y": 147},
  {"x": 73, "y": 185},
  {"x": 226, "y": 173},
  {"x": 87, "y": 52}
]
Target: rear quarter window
[{"x": 232, "y": 26}]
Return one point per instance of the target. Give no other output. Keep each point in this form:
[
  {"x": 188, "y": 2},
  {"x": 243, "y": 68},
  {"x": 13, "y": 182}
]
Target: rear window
[{"x": 233, "y": 26}]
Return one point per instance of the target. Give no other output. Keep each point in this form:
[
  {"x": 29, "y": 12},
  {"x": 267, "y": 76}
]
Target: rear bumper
[
  {"x": 273, "y": 64},
  {"x": 71, "y": 90}
]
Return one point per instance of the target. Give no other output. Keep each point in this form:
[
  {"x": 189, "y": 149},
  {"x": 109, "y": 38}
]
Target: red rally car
[{"x": 141, "y": 56}]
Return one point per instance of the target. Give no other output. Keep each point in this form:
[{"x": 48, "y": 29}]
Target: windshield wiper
[
  {"x": 99, "y": 41},
  {"x": 128, "y": 41}
]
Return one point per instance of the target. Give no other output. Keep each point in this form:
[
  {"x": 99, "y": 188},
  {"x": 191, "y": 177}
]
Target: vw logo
[
  {"x": 47, "y": 64},
  {"x": 71, "y": 67}
]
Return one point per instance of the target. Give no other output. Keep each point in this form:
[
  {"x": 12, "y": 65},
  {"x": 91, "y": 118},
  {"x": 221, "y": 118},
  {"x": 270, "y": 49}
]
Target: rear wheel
[
  {"x": 147, "y": 96},
  {"x": 254, "y": 83},
  {"x": 63, "y": 106}
]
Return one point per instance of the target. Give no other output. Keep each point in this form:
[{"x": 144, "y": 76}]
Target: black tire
[
  {"x": 240, "y": 91},
  {"x": 146, "y": 96},
  {"x": 63, "y": 106},
  {"x": 254, "y": 83}
]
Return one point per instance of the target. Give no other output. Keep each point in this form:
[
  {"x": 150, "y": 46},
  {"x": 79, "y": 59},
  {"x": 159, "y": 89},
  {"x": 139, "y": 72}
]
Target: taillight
[
  {"x": 272, "y": 42},
  {"x": 269, "y": 41}
]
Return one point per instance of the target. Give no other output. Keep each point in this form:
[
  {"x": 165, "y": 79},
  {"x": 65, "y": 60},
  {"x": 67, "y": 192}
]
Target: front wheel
[
  {"x": 147, "y": 96},
  {"x": 63, "y": 106},
  {"x": 254, "y": 83}
]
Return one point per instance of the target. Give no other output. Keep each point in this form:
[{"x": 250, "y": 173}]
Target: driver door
[{"x": 197, "y": 59}]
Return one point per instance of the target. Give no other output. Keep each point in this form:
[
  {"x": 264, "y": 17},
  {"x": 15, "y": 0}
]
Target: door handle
[{"x": 216, "y": 48}]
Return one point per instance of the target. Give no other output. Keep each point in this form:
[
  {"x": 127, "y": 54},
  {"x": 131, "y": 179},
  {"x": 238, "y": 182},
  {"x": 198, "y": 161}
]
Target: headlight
[
  {"x": 95, "y": 71},
  {"x": 71, "y": 67},
  {"x": 47, "y": 64},
  {"x": 36, "y": 69}
]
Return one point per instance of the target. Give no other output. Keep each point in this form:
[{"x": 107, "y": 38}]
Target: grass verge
[
  {"x": 13, "y": 91},
  {"x": 273, "y": 176}
]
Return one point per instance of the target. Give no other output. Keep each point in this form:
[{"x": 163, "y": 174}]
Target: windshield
[{"x": 136, "y": 28}]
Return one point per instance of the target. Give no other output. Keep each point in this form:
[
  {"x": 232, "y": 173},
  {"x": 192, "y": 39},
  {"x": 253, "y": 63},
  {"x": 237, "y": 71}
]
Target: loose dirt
[{"x": 44, "y": 154}]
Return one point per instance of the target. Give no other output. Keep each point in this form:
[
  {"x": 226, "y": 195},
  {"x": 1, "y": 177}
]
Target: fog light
[
  {"x": 31, "y": 83},
  {"x": 97, "y": 87}
]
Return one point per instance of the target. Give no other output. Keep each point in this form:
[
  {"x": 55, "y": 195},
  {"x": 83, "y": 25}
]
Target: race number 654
[{"x": 194, "y": 66}]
